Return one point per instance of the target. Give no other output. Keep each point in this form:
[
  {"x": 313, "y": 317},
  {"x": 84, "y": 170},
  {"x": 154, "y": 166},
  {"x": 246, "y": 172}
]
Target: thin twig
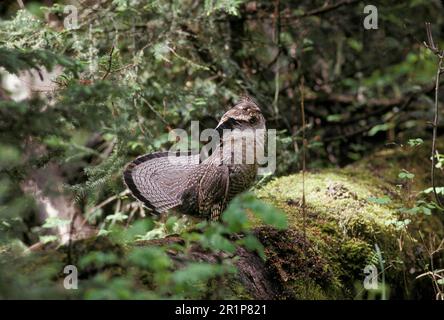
[
  {"x": 430, "y": 44},
  {"x": 277, "y": 37},
  {"x": 435, "y": 129},
  {"x": 152, "y": 109},
  {"x": 110, "y": 63},
  {"x": 433, "y": 274},
  {"x": 304, "y": 147},
  {"x": 304, "y": 144},
  {"x": 71, "y": 232},
  {"x": 109, "y": 200},
  {"x": 328, "y": 8}
]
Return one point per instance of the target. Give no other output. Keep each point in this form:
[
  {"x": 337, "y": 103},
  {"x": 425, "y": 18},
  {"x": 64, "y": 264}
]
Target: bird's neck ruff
[{"x": 243, "y": 147}]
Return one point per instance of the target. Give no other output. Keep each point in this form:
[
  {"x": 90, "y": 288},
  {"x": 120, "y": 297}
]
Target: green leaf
[
  {"x": 170, "y": 224},
  {"x": 137, "y": 229},
  {"x": 404, "y": 174},
  {"x": 47, "y": 239},
  {"x": 151, "y": 258},
  {"x": 380, "y": 127},
  {"x": 103, "y": 232},
  {"x": 219, "y": 242},
  {"x": 427, "y": 211},
  {"x": 237, "y": 220},
  {"x": 198, "y": 272},
  {"x": 117, "y": 217},
  {"x": 334, "y": 117},
  {"x": 269, "y": 214},
  {"x": 415, "y": 142},
  {"x": 252, "y": 243},
  {"x": 382, "y": 200},
  {"x": 54, "y": 222},
  {"x": 439, "y": 190},
  {"x": 97, "y": 259}
]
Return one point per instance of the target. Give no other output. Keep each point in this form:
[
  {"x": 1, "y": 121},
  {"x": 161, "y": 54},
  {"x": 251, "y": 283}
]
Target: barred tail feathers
[{"x": 159, "y": 179}]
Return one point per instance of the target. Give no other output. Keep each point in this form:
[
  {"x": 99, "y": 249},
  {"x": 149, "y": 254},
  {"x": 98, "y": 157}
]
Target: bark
[
  {"x": 254, "y": 274},
  {"x": 46, "y": 186}
]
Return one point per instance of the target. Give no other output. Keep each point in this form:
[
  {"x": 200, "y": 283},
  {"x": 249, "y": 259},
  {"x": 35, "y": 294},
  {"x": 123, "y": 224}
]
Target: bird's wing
[
  {"x": 159, "y": 179},
  {"x": 213, "y": 191}
]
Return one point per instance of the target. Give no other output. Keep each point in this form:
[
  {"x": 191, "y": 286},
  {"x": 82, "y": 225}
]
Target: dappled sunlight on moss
[
  {"x": 330, "y": 195},
  {"x": 344, "y": 224}
]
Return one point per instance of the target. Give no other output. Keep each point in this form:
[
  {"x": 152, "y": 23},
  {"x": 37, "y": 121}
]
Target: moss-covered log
[{"x": 351, "y": 214}]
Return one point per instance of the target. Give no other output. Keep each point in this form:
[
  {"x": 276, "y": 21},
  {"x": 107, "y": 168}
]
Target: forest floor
[{"x": 361, "y": 218}]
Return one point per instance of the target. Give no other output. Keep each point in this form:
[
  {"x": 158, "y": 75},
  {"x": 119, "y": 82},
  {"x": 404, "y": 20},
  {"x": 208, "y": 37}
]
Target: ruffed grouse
[{"x": 197, "y": 186}]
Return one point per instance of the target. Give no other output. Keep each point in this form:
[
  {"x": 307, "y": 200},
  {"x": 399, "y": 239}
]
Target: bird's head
[{"x": 244, "y": 115}]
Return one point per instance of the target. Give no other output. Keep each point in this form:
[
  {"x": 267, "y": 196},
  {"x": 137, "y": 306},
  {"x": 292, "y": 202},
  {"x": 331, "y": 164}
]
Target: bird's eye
[{"x": 252, "y": 120}]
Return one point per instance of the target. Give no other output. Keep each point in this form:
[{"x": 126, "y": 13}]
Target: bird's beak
[
  {"x": 227, "y": 123},
  {"x": 220, "y": 128}
]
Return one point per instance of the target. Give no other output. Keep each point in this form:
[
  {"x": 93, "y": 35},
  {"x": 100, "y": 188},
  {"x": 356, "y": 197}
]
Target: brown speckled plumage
[{"x": 165, "y": 180}]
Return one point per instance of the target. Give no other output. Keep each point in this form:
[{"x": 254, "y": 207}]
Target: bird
[{"x": 199, "y": 186}]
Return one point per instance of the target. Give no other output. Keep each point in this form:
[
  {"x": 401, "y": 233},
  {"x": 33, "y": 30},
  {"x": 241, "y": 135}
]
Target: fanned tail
[{"x": 159, "y": 179}]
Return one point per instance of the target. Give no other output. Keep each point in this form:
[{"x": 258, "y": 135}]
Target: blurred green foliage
[{"x": 134, "y": 70}]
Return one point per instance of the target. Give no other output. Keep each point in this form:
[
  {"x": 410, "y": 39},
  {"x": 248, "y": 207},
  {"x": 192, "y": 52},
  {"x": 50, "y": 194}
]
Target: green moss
[
  {"x": 296, "y": 262},
  {"x": 354, "y": 255},
  {"x": 233, "y": 289},
  {"x": 343, "y": 224},
  {"x": 336, "y": 201},
  {"x": 307, "y": 289}
]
